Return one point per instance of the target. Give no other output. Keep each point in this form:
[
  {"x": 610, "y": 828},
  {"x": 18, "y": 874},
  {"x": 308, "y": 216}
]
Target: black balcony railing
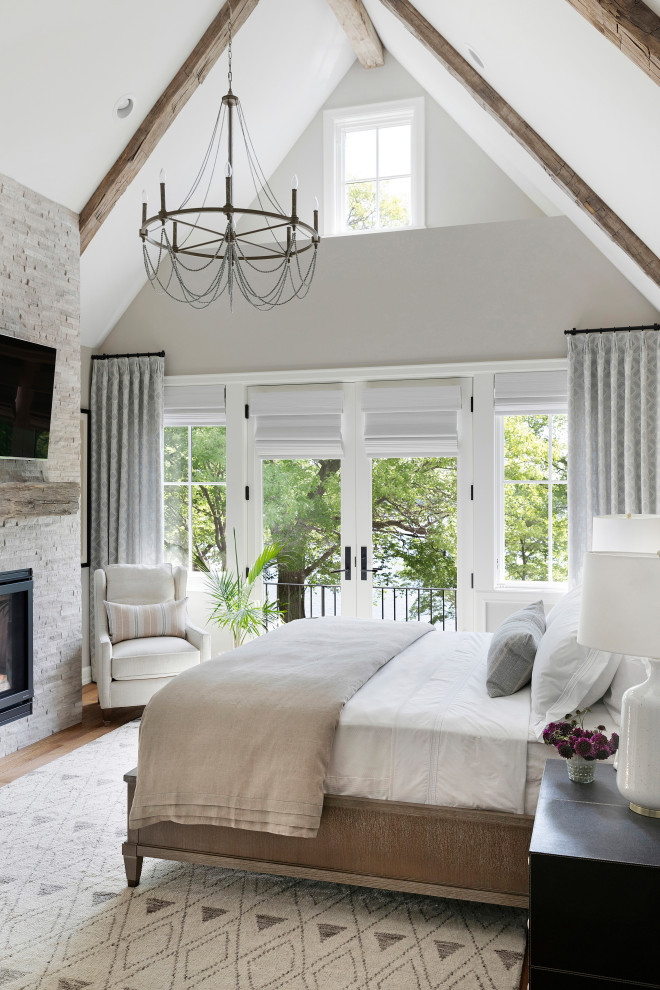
[{"x": 435, "y": 605}]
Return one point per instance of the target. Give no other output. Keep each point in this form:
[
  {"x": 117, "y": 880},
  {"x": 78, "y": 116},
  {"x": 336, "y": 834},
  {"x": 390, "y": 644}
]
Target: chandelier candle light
[{"x": 195, "y": 254}]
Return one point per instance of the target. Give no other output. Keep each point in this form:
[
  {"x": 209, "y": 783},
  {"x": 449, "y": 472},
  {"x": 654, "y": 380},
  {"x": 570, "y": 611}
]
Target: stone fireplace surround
[{"x": 39, "y": 301}]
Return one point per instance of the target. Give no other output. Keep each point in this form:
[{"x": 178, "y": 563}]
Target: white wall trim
[
  {"x": 86, "y": 675},
  {"x": 370, "y": 373}
]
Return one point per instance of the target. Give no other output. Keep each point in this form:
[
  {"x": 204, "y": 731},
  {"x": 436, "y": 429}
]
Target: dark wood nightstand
[{"x": 594, "y": 869}]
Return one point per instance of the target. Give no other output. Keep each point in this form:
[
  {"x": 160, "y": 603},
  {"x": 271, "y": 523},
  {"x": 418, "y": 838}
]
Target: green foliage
[
  {"x": 362, "y": 208},
  {"x": 208, "y": 494},
  {"x": 527, "y": 530},
  {"x": 231, "y": 595}
]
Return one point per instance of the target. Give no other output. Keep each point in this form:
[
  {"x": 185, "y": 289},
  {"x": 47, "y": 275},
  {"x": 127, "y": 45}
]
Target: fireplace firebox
[{"x": 16, "y": 691}]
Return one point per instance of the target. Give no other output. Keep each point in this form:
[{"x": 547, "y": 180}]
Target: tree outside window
[
  {"x": 195, "y": 498},
  {"x": 535, "y": 517}
]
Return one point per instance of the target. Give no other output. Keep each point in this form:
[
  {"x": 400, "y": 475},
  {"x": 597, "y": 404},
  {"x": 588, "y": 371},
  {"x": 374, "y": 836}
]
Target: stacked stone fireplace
[{"x": 39, "y": 301}]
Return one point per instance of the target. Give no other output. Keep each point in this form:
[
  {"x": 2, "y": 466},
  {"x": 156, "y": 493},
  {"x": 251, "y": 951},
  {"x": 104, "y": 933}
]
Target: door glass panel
[
  {"x": 414, "y": 525},
  {"x": 302, "y": 510}
]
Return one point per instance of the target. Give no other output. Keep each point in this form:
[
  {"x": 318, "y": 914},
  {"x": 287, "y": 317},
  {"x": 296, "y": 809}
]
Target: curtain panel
[
  {"x": 614, "y": 431},
  {"x": 126, "y": 485}
]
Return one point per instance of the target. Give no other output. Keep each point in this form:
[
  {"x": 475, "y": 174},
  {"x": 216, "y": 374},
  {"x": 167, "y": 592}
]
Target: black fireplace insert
[{"x": 16, "y": 690}]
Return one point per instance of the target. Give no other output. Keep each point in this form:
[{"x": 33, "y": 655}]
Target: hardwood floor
[{"x": 91, "y": 727}]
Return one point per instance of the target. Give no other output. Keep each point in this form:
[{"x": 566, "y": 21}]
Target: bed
[{"x": 431, "y": 788}]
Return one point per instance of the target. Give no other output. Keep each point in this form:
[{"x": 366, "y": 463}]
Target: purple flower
[
  {"x": 583, "y": 748},
  {"x": 565, "y": 749},
  {"x": 614, "y": 742},
  {"x": 598, "y": 739},
  {"x": 602, "y": 754},
  {"x": 601, "y": 728},
  {"x": 577, "y": 732}
]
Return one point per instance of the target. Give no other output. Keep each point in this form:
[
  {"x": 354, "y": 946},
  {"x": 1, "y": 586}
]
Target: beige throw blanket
[{"x": 244, "y": 740}]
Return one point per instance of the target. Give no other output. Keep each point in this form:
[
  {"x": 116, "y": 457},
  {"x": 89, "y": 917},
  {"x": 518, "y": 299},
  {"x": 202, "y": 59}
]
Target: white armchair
[{"x": 130, "y": 672}]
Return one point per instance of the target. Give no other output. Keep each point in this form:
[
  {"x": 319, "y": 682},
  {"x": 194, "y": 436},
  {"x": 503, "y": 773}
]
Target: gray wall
[
  {"x": 463, "y": 185},
  {"x": 39, "y": 300},
  {"x": 476, "y": 292}
]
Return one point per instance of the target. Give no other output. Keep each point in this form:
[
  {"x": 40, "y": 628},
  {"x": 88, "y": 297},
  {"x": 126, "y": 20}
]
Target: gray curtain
[
  {"x": 614, "y": 431},
  {"x": 126, "y": 485}
]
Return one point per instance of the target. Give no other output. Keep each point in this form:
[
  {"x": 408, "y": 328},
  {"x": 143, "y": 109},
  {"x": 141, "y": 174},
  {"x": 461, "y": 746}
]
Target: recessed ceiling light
[
  {"x": 124, "y": 106},
  {"x": 475, "y": 56}
]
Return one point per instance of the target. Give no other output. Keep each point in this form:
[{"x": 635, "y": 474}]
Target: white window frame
[
  {"x": 189, "y": 483},
  {"x": 336, "y": 123},
  {"x": 501, "y": 580}
]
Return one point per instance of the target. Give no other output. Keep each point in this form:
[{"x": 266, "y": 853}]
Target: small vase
[{"x": 581, "y": 771}]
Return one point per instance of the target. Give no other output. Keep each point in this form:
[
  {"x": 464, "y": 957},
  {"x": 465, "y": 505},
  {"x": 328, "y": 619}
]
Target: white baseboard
[{"x": 86, "y": 675}]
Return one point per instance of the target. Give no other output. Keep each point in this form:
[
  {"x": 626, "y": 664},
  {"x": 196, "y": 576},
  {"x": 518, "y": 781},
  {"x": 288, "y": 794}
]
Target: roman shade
[
  {"x": 293, "y": 422},
  {"x": 194, "y": 405},
  {"x": 411, "y": 420},
  {"x": 525, "y": 393}
]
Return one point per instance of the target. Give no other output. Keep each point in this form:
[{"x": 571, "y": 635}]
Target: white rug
[{"x": 68, "y": 921}]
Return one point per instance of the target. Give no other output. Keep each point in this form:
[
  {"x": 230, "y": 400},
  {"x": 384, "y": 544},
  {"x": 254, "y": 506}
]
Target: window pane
[
  {"x": 360, "y": 205},
  {"x": 394, "y": 150},
  {"x": 176, "y": 524},
  {"x": 302, "y": 509},
  {"x": 176, "y": 453},
  {"x": 526, "y": 448},
  {"x": 526, "y": 532},
  {"x": 559, "y": 533},
  {"x": 208, "y": 453},
  {"x": 209, "y": 521},
  {"x": 414, "y": 524},
  {"x": 395, "y": 202},
  {"x": 360, "y": 154},
  {"x": 560, "y": 448}
]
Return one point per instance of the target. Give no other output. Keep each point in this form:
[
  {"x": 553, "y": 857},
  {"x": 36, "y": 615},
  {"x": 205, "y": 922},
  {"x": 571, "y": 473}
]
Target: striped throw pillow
[
  {"x": 513, "y": 649},
  {"x": 139, "y": 621}
]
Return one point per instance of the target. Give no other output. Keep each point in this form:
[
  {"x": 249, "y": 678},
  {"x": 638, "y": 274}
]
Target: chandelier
[{"x": 195, "y": 254}]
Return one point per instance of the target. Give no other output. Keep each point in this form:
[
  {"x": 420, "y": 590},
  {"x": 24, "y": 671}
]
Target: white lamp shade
[
  {"x": 626, "y": 533},
  {"x": 621, "y": 603}
]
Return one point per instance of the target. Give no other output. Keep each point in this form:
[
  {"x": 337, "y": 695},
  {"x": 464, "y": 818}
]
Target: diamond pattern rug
[{"x": 68, "y": 921}]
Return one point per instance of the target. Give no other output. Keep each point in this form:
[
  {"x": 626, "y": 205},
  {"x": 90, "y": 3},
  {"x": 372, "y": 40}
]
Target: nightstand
[{"x": 594, "y": 869}]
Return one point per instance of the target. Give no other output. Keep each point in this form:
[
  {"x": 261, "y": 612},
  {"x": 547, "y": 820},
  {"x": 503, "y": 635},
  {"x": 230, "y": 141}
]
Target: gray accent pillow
[{"x": 512, "y": 651}]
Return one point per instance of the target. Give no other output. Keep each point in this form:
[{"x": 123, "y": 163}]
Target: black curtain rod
[
  {"x": 645, "y": 326},
  {"x": 106, "y": 357}
]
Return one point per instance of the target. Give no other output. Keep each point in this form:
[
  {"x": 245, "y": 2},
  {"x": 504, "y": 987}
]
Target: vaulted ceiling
[{"x": 64, "y": 65}]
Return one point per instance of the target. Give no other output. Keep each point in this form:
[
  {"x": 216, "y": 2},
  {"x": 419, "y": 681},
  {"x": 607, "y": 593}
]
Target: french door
[{"x": 384, "y": 529}]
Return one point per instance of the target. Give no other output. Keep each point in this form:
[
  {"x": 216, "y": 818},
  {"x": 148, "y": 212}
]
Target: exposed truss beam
[
  {"x": 565, "y": 177},
  {"x": 192, "y": 74},
  {"x": 631, "y": 26},
  {"x": 361, "y": 33}
]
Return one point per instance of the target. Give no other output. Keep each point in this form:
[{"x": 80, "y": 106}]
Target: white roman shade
[
  {"x": 411, "y": 420},
  {"x": 295, "y": 422},
  {"x": 194, "y": 405},
  {"x": 525, "y": 393}
]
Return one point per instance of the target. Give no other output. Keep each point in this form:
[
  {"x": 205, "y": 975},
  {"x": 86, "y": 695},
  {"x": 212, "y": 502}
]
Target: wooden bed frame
[{"x": 414, "y": 848}]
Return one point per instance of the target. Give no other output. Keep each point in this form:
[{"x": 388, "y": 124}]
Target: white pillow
[
  {"x": 632, "y": 671},
  {"x": 567, "y": 676}
]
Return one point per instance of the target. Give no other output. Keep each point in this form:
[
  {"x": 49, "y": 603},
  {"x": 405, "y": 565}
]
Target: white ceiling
[
  {"x": 583, "y": 96},
  {"x": 75, "y": 58}
]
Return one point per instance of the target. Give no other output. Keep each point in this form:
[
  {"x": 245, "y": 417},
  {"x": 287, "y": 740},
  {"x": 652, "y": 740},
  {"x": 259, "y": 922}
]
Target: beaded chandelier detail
[{"x": 195, "y": 254}]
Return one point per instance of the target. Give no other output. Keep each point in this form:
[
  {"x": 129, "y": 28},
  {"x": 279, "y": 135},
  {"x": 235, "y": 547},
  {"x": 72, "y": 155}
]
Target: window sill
[{"x": 378, "y": 230}]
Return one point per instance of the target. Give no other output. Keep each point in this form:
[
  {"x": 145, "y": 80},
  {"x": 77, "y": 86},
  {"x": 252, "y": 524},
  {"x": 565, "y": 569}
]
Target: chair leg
[{"x": 106, "y": 715}]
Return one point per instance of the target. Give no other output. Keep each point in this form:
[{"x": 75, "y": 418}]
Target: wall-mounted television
[{"x": 27, "y": 374}]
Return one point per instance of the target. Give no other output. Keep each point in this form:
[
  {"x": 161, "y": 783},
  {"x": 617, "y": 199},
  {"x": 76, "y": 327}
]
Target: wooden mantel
[{"x": 27, "y": 499}]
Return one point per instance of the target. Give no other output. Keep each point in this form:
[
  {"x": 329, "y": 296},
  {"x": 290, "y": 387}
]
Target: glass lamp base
[{"x": 649, "y": 812}]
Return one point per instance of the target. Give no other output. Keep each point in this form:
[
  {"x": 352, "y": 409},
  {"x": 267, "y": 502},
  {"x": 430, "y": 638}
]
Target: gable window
[
  {"x": 533, "y": 456},
  {"x": 374, "y": 167}
]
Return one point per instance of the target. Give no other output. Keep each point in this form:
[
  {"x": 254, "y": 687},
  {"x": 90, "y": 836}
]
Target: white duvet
[{"x": 423, "y": 729}]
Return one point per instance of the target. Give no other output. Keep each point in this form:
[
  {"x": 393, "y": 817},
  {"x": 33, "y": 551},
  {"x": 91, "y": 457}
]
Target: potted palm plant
[{"x": 231, "y": 595}]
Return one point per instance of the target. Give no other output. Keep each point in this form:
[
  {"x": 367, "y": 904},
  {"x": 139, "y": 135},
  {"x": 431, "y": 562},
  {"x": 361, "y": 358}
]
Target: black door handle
[
  {"x": 364, "y": 570},
  {"x": 346, "y": 569}
]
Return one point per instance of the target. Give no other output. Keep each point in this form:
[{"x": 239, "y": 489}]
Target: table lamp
[
  {"x": 630, "y": 533},
  {"x": 620, "y": 613}
]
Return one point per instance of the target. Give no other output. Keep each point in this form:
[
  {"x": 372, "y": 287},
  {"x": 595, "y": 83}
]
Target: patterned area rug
[{"x": 68, "y": 921}]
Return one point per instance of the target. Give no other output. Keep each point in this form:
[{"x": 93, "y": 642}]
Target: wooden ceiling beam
[
  {"x": 631, "y": 26},
  {"x": 164, "y": 112},
  {"x": 357, "y": 24},
  {"x": 562, "y": 174}
]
